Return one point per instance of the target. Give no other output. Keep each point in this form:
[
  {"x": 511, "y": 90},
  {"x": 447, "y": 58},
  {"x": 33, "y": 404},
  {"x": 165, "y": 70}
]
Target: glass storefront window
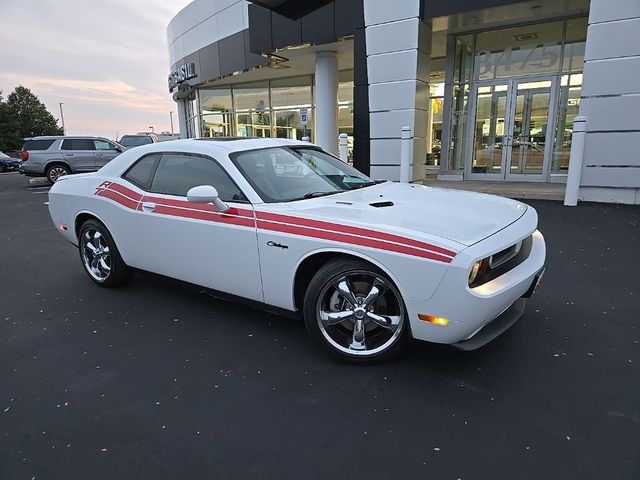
[
  {"x": 215, "y": 110},
  {"x": 576, "y": 39},
  {"x": 345, "y": 109},
  {"x": 291, "y": 92},
  {"x": 434, "y": 133},
  {"x": 568, "y": 106},
  {"x": 463, "y": 59},
  {"x": 525, "y": 50},
  {"x": 256, "y": 124},
  {"x": 251, "y": 96},
  {"x": 459, "y": 116}
]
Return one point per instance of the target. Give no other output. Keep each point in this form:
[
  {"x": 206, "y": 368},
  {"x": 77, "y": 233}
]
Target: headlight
[{"x": 477, "y": 268}]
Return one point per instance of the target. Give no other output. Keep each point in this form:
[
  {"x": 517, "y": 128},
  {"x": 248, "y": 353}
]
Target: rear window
[
  {"x": 38, "y": 144},
  {"x": 135, "y": 140}
]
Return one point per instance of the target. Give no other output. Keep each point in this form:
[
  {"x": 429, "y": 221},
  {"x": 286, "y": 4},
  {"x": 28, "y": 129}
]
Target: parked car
[
  {"x": 8, "y": 164},
  {"x": 53, "y": 157},
  {"x": 130, "y": 141},
  {"x": 368, "y": 264}
]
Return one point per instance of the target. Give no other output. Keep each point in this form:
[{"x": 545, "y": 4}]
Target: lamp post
[
  {"x": 64, "y": 131},
  {"x": 151, "y": 128}
]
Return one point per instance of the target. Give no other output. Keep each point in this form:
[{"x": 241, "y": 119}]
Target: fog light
[{"x": 443, "y": 322}]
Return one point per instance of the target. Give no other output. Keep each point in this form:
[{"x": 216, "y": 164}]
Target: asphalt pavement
[{"x": 162, "y": 380}]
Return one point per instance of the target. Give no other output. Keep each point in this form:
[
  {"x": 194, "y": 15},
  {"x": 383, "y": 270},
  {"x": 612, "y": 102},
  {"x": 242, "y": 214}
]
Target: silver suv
[{"x": 53, "y": 157}]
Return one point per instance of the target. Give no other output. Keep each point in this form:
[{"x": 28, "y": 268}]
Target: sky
[{"x": 106, "y": 60}]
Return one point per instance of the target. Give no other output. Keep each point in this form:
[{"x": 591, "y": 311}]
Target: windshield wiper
[
  {"x": 315, "y": 195},
  {"x": 367, "y": 184}
]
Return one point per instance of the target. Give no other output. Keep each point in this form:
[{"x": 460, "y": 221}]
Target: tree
[{"x": 23, "y": 116}]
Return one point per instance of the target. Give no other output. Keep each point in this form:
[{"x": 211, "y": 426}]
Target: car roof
[
  {"x": 56, "y": 137},
  {"x": 234, "y": 144}
]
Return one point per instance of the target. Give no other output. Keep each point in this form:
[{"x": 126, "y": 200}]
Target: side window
[
  {"x": 177, "y": 173},
  {"x": 140, "y": 173},
  {"x": 103, "y": 145},
  {"x": 78, "y": 144}
]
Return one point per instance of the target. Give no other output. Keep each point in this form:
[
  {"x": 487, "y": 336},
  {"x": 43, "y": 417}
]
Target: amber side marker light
[
  {"x": 443, "y": 322},
  {"x": 62, "y": 227}
]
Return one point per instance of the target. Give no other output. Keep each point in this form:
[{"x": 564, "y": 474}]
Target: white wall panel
[
  {"x": 612, "y": 148},
  {"x": 390, "y": 67},
  {"x": 598, "y": 77},
  {"x": 613, "y": 10},
  {"x": 392, "y": 37},
  {"x": 397, "y": 95},
  {"x": 613, "y": 39},
  {"x": 611, "y": 113},
  {"x": 385, "y": 173},
  {"x": 383, "y": 11},
  {"x": 389, "y": 124}
]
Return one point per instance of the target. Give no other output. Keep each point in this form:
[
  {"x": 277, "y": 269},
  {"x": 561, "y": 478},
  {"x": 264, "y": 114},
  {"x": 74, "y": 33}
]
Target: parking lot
[{"x": 163, "y": 380}]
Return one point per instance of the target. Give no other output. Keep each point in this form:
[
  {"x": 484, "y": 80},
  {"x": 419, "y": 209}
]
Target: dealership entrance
[
  {"x": 512, "y": 97},
  {"x": 511, "y": 138}
]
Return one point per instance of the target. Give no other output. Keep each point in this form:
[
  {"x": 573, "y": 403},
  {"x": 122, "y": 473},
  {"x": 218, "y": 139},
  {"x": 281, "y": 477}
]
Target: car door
[
  {"x": 78, "y": 153},
  {"x": 194, "y": 242},
  {"x": 105, "y": 151}
]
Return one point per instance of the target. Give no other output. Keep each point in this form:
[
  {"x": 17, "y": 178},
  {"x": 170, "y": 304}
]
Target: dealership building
[{"x": 489, "y": 88}]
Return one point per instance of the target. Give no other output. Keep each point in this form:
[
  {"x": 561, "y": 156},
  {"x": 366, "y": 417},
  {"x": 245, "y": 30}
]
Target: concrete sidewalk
[{"x": 529, "y": 190}]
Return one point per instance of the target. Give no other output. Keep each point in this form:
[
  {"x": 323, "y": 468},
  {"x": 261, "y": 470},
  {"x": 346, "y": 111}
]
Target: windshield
[
  {"x": 283, "y": 174},
  {"x": 135, "y": 140}
]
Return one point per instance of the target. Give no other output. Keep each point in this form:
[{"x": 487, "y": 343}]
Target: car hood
[{"x": 417, "y": 210}]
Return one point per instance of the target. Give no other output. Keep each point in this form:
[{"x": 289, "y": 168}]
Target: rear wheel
[
  {"x": 356, "y": 312},
  {"x": 54, "y": 172},
  {"x": 100, "y": 257},
  {"x": 2, "y": 168}
]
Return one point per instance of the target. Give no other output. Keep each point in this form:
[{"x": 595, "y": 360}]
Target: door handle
[
  {"x": 68, "y": 154},
  {"x": 100, "y": 154},
  {"x": 148, "y": 206}
]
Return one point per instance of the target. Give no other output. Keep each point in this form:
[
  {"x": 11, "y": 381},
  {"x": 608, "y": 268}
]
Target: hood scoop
[{"x": 382, "y": 204}]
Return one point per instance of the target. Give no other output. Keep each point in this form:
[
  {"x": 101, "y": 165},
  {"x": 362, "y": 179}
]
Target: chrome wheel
[
  {"x": 56, "y": 172},
  {"x": 95, "y": 254},
  {"x": 360, "y": 313}
]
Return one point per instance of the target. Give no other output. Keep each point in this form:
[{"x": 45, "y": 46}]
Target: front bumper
[{"x": 470, "y": 311}]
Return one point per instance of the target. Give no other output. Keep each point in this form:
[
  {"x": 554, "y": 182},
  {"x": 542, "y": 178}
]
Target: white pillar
[
  {"x": 575, "y": 161},
  {"x": 326, "y": 89},
  {"x": 406, "y": 165},
  {"x": 343, "y": 146},
  {"x": 182, "y": 118}
]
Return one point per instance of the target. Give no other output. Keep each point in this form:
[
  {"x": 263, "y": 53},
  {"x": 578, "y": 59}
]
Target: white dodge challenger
[{"x": 368, "y": 264}]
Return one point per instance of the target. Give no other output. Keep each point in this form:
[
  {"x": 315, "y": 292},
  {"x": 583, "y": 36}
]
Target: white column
[
  {"x": 182, "y": 118},
  {"x": 326, "y": 90}
]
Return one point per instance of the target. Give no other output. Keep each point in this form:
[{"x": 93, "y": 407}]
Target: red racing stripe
[
  {"x": 305, "y": 222},
  {"x": 280, "y": 223},
  {"x": 344, "y": 238},
  {"x": 118, "y": 197}
]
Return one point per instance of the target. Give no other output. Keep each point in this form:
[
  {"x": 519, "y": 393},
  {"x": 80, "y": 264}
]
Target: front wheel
[
  {"x": 100, "y": 257},
  {"x": 356, "y": 312}
]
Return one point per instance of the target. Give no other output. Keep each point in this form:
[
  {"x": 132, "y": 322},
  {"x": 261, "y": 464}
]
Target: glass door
[
  {"x": 512, "y": 129},
  {"x": 489, "y": 136},
  {"x": 531, "y": 129}
]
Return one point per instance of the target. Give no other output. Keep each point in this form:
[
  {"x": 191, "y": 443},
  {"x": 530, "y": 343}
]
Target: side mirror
[
  {"x": 206, "y": 194},
  {"x": 118, "y": 149}
]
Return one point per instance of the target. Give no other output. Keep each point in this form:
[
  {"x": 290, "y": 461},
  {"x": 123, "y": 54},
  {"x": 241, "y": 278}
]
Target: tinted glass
[
  {"x": 78, "y": 144},
  {"x": 178, "y": 173},
  {"x": 284, "y": 174},
  {"x": 38, "y": 144},
  {"x": 135, "y": 140},
  {"x": 140, "y": 173}
]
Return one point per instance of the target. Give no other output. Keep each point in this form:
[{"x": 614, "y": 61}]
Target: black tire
[
  {"x": 320, "y": 300},
  {"x": 2, "y": 168},
  {"x": 56, "y": 171},
  {"x": 118, "y": 272}
]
